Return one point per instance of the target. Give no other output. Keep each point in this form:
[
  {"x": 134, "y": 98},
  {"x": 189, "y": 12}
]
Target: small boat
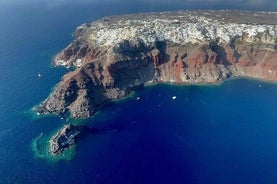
[{"x": 174, "y": 97}]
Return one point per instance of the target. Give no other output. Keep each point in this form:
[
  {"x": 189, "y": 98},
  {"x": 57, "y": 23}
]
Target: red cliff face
[
  {"x": 109, "y": 75},
  {"x": 111, "y": 67}
]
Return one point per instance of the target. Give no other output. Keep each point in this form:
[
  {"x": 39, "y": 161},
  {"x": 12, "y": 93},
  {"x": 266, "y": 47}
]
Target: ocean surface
[{"x": 223, "y": 133}]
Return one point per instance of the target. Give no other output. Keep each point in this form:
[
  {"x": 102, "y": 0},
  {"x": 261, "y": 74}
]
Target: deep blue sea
[{"x": 213, "y": 134}]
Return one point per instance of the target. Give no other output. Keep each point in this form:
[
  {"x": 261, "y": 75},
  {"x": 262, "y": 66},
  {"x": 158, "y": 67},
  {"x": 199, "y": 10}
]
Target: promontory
[{"x": 113, "y": 56}]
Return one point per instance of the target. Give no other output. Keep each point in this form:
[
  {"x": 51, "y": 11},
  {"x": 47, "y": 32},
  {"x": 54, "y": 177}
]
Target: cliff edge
[{"x": 115, "y": 55}]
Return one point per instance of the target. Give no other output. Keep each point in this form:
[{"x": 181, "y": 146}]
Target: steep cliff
[{"x": 115, "y": 55}]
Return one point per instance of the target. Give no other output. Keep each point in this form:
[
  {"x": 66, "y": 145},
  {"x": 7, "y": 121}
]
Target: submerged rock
[{"x": 64, "y": 139}]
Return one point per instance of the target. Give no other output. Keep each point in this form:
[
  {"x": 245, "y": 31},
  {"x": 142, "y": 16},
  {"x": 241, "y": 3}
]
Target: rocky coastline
[
  {"x": 63, "y": 139},
  {"x": 115, "y": 55}
]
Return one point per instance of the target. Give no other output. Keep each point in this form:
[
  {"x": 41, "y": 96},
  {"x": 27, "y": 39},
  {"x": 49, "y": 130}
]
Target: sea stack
[{"x": 115, "y": 55}]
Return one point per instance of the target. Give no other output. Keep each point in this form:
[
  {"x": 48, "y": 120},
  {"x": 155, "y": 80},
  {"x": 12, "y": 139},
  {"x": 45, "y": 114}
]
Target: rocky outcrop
[
  {"x": 116, "y": 55},
  {"x": 63, "y": 139}
]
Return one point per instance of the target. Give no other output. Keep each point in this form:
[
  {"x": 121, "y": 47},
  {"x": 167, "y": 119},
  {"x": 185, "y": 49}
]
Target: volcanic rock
[
  {"x": 115, "y": 55},
  {"x": 63, "y": 139}
]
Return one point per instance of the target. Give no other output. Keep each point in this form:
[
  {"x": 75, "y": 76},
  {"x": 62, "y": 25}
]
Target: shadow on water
[{"x": 107, "y": 128}]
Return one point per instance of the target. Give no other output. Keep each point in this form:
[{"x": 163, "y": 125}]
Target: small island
[{"x": 64, "y": 139}]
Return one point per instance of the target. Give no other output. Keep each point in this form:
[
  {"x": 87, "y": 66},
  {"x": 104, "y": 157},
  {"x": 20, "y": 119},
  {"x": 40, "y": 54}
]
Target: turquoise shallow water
[{"x": 209, "y": 134}]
